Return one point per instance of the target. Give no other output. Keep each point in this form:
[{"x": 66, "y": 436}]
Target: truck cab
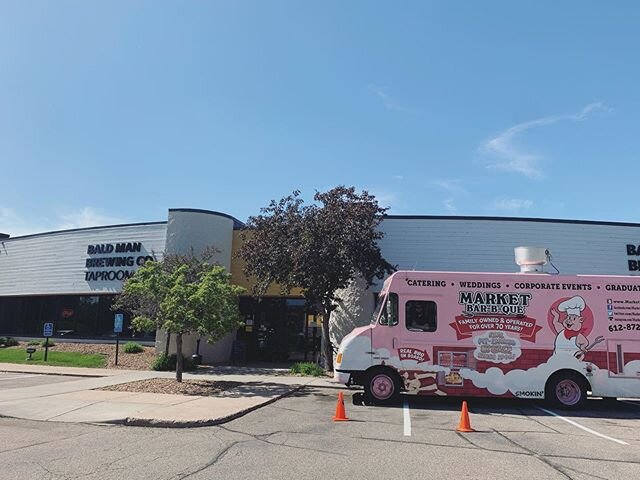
[{"x": 359, "y": 363}]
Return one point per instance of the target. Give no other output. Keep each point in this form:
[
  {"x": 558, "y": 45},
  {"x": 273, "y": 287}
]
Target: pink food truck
[{"x": 535, "y": 336}]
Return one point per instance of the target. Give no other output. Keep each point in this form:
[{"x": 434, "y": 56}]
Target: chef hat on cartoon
[{"x": 573, "y": 306}]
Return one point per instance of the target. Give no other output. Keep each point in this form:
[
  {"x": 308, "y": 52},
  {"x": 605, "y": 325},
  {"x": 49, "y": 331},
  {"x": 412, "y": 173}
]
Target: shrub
[
  {"x": 44, "y": 342},
  {"x": 161, "y": 363},
  {"x": 168, "y": 364},
  {"x": 9, "y": 341},
  {"x": 2, "y": 341},
  {"x": 308, "y": 369},
  {"x": 133, "y": 347},
  {"x": 33, "y": 342}
]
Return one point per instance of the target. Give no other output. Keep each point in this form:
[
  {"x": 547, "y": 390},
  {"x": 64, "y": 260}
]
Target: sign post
[
  {"x": 48, "y": 332},
  {"x": 117, "y": 329}
]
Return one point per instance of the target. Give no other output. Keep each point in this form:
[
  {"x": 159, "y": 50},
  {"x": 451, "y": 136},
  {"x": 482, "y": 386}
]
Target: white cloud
[
  {"x": 453, "y": 186},
  {"x": 389, "y": 102},
  {"x": 16, "y": 225},
  {"x": 385, "y": 199},
  {"x": 399, "y": 177},
  {"x": 85, "y": 217},
  {"x": 449, "y": 205},
  {"x": 511, "y": 158},
  {"x": 8, "y": 220},
  {"x": 510, "y": 204}
]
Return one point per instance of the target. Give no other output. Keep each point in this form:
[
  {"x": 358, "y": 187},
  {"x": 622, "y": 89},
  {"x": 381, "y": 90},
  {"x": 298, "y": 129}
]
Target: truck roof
[{"x": 536, "y": 276}]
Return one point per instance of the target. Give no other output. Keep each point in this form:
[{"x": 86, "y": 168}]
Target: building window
[
  {"x": 73, "y": 316},
  {"x": 421, "y": 316}
]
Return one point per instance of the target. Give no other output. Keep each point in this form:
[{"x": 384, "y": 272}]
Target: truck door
[
  {"x": 406, "y": 320},
  {"x": 418, "y": 323},
  {"x": 383, "y": 336},
  {"x": 416, "y": 335}
]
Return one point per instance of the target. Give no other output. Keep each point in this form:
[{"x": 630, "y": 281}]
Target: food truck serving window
[
  {"x": 421, "y": 316},
  {"x": 390, "y": 311}
]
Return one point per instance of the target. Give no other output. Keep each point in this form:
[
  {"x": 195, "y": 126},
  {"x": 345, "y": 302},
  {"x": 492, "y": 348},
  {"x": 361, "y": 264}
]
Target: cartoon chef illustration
[{"x": 567, "y": 322}]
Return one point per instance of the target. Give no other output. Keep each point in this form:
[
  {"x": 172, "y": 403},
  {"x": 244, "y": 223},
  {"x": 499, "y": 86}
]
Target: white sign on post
[
  {"x": 48, "y": 330},
  {"x": 117, "y": 323}
]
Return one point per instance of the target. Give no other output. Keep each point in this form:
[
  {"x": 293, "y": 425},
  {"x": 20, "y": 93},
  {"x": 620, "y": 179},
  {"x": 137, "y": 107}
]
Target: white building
[{"x": 70, "y": 277}]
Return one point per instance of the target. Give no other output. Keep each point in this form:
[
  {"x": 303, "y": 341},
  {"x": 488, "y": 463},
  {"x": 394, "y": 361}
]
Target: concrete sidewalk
[{"x": 79, "y": 401}]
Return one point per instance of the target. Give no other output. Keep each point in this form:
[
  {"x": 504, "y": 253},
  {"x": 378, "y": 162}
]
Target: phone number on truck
[{"x": 628, "y": 326}]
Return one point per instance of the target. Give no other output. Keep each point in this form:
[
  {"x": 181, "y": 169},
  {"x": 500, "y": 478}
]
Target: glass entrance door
[{"x": 274, "y": 329}]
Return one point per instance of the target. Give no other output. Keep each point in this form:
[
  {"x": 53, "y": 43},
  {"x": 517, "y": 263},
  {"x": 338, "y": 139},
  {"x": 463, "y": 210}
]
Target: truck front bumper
[{"x": 341, "y": 377}]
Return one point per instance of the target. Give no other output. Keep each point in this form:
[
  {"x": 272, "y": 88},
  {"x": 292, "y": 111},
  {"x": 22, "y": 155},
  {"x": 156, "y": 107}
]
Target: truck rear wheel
[
  {"x": 567, "y": 390},
  {"x": 382, "y": 386}
]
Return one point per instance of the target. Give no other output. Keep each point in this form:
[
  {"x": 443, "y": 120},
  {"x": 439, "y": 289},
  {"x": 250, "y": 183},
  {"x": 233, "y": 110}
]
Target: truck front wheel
[
  {"x": 567, "y": 390},
  {"x": 382, "y": 386}
]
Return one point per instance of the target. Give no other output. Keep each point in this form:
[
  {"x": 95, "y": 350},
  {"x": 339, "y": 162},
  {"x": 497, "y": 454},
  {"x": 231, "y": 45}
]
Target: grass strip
[{"x": 58, "y": 359}]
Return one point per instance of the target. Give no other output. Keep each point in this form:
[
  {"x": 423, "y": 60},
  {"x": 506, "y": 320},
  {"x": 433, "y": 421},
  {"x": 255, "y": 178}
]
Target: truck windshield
[
  {"x": 390, "y": 311},
  {"x": 376, "y": 313}
]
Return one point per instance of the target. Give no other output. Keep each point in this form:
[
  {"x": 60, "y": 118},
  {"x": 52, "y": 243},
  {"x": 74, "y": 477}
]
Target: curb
[
  {"x": 157, "y": 423},
  {"x": 73, "y": 374},
  {"x": 152, "y": 422},
  {"x": 82, "y": 375}
]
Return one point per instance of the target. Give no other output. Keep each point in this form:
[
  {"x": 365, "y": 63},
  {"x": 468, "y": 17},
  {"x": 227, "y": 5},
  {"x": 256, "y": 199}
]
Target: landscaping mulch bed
[
  {"x": 202, "y": 388},
  {"x": 126, "y": 361}
]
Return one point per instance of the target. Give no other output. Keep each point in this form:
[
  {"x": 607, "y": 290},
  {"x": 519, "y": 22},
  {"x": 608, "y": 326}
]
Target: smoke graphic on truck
[{"x": 518, "y": 381}]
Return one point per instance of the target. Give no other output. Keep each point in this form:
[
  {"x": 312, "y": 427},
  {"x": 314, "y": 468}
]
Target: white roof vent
[{"x": 531, "y": 259}]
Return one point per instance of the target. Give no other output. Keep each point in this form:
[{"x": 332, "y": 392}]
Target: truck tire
[
  {"x": 566, "y": 390},
  {"x": 382, "y": 386}
]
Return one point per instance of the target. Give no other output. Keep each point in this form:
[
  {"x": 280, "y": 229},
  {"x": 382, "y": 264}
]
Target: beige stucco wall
[
  {"x": 239, "y": 278},
  {"x": 195, "y": 230},
  {"x": 355, "y": 308}
]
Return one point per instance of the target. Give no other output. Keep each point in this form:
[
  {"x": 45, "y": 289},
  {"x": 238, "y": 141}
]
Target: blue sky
[{"x": 112, "y": 112}]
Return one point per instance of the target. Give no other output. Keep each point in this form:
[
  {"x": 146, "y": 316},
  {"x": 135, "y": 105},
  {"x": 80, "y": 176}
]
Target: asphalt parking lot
[
  {"x": 296, "y": 438},
  {"x": 513, "y": 438}
]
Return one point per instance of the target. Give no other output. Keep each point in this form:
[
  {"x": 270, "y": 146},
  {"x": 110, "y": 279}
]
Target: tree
[
  {"x": 318, "y": 248},
  {"x": 183, "y": 294}
]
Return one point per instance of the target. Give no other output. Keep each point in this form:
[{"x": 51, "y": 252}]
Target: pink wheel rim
[
  {"x": 568, "y": 392},
  {"x": 382, "y": 387}
]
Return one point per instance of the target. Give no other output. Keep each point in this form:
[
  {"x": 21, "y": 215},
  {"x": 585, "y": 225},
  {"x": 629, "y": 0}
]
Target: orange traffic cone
[
  {"x": 340, "y": 415},
  {"x": 465, "y": 423}
]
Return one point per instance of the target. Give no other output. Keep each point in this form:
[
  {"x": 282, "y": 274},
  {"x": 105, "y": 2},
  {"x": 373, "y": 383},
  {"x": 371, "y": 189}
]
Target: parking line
[
  {"x": 586, "y": 429},
  {"x": 407, "y": 420}
]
